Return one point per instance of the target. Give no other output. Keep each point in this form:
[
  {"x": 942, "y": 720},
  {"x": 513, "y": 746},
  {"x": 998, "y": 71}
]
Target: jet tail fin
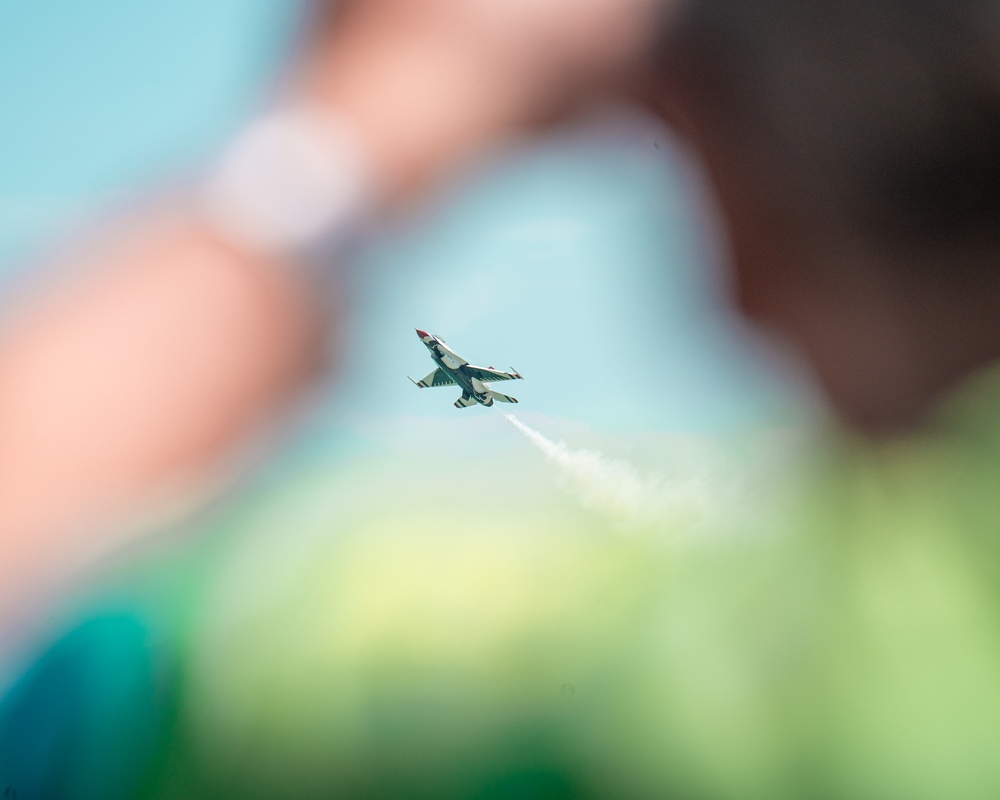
[{"x": 465, "y": 401}]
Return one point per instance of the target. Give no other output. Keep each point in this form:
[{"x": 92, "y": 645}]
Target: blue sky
[
  {"x": 103, "y": 96},
  {"x": 578, "y": 262},
  {"x": 581, "y": 261}
]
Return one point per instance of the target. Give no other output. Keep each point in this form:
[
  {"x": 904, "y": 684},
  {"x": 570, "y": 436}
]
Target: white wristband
[{"x": 294, "y": 180}]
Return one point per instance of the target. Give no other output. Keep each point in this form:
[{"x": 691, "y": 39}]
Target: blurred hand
[
  {"x": 551, "y": 42},
  {"x": 430, "y": 82}
]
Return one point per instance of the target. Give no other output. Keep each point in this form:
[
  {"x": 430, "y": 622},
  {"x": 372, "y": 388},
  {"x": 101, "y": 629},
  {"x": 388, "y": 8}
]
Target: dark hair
[{"x": 887, "y": 111}]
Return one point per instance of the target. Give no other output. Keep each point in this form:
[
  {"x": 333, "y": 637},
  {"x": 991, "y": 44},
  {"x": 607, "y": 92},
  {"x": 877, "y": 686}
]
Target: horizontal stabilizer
[
  {"x": 465, "y": 401},
  {"x": 502, "y": 397}
]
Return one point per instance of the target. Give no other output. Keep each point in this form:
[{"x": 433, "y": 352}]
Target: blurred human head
[{"x": 854, "y": 147}]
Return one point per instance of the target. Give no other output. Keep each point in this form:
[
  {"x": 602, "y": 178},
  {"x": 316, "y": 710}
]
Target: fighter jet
[{"x": 453, "y": 370}]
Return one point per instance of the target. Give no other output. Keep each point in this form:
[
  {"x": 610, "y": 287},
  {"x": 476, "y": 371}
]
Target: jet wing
[
  {"x": 437, "y": 378},
  {"x": 489, "y": 374}
]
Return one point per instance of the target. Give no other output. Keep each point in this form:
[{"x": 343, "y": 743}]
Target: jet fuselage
[
  {"x": 452, "y": 365},
  {"x": 453, "y": 370}
]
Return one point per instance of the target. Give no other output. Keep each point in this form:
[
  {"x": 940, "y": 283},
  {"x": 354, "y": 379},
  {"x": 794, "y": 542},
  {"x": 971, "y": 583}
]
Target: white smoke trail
[{"x": 616, "y": 488}]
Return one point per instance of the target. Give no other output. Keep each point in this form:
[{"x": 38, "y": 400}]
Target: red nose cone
[{"x": 422, "y": 334}]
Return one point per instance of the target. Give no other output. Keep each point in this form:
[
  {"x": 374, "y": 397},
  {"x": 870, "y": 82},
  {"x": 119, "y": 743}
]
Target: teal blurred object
[{"x": 84, "y": 720}]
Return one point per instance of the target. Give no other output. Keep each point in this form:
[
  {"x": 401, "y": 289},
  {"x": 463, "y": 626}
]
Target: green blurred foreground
[{"x": 851, "y": 649}]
